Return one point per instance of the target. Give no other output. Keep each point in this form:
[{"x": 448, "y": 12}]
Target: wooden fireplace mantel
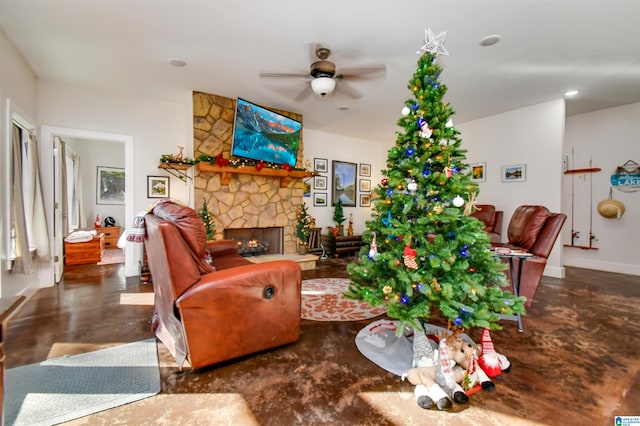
[{"x": 226, "y": 171}]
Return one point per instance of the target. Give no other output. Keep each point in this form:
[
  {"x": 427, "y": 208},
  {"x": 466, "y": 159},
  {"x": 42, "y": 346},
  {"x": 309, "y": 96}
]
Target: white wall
[
  {"x": 17, "y": 83},
  {"x": 339, "y": 148},
  {"x": 606, "y": 139},
  {"x": 157, "y": 128},
  {"x": 531, "y": 136}
]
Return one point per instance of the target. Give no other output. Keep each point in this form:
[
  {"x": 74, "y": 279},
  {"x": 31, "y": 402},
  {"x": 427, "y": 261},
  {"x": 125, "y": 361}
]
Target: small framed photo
[
  {"x": 110, "y": 185},
  {"x": 320, "y": 182},
  {"x": 514, "y": 173},
  {"x": 478, "y": 172},
  {"x": 320, "y": 165},
  {"x": 365, "y": 170},
  {"x": 365, "y": 185},
  {"x": 157, "y": 186},
  {"x": 319, "y": 199},
  {"x": 365, "y": 200}
]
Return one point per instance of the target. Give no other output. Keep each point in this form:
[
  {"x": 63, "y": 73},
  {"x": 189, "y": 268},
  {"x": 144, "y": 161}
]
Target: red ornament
[
  {"x": 221, "y": 161},
  {"x": 384, "y": 182},
  {"x": 260, "y": 165},
  {"x": 287, "y": 167},
  {"x": 410, "y": 257}
]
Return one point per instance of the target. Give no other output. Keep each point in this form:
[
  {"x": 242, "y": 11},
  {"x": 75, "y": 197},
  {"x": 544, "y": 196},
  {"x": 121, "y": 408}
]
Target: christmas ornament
[
  {"x": 387, "y": 289},
  {"x": 410, "y": 257},
  {"x": 433, "y": 43},
  {"x": 384, "y": 181},
  {"x": 458, "y": 201},
  {"x": 373, "y": 250},
  {"x": 412, "y": 186},
  {"x": 260, "y": 165},
  {"x": 449, "y": 123},
  {"x": 405, "y": 111},
  {"x": 471, "y": 204},
  {"x": 425, "y": 130},
  {"x": 448, "y": 171}
]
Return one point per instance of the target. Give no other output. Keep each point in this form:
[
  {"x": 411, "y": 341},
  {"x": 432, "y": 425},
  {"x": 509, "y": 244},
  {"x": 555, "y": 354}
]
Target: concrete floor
[{"x": 575, "y": 363}]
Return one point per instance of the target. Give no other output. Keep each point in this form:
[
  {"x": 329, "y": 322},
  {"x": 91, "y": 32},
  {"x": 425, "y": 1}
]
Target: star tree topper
[{"x": 433, "y": 43}]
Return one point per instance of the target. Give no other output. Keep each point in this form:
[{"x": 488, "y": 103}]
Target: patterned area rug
[
  {"x": 70, "y": 387},
  {"x": 322, "y": 300},
  {"x": 111, "y": 256}
]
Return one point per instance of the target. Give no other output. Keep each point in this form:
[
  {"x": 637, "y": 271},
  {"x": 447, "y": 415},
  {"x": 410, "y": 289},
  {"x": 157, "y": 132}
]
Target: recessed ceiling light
[
  {"x": 177, "y": 62},
  {"x": 344, "y": 107},
  {"x": 570, "y": 93},
  {"x": 490, "y": 40}
]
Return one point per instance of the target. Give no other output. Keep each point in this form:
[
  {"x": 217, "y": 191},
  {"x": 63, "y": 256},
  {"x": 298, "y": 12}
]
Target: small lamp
[{"x": 323, "y": 85}]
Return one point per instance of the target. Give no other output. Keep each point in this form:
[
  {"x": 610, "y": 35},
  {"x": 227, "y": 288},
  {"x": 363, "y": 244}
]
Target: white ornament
[
  {"x": 412, "y": 186},
  {"x": 405, "y": 111},
  {"x": 458, "y": 201},
  {"x": 433, "y": 43},
  {"x": 449, "y": 123}
]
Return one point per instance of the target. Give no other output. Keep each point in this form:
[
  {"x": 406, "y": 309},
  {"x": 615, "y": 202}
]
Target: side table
[
  {"x": 345, "y": 244},
  {"x": 521, "y": 258}
]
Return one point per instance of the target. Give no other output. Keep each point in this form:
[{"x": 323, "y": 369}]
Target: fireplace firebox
[{"x": 257, "y": 241}]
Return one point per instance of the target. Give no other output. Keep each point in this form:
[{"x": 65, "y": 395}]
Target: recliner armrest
[{"x": 222, "y": 248}]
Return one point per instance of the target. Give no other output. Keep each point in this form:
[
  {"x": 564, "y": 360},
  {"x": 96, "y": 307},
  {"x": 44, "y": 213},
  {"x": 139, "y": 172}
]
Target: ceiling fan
[{"x": 323, "y": 77}]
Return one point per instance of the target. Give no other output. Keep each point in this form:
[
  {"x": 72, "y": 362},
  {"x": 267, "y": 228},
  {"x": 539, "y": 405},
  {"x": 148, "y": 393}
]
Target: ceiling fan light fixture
[{"x": 323, "y": 85}]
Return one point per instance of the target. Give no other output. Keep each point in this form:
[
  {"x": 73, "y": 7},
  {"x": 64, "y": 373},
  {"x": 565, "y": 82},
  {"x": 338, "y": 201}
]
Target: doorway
[{"x": 50, "y": 159}]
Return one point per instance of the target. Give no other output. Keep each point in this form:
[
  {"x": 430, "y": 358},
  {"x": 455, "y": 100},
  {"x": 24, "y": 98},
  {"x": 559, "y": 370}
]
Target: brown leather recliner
[
  {"x": 492, "y": 219},
  {"x": 533, "y": 229},
  {"x": 207, "y": 316}
]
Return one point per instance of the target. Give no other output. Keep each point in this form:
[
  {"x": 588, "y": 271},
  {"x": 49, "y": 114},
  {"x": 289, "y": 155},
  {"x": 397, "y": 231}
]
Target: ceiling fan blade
[
  {"x": 304, "y": 93},
  {"x": 347, "y": 90},
  {"x": 284, "y": 75},
  {"x": 361, "y": 72}
]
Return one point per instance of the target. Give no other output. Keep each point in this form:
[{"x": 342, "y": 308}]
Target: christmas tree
[
  {"x": 423, "y": 252},
  {"x": 303, "y": 224},
  {"x": 338, "y": 216},
  {"x": 207, "y": 218}
]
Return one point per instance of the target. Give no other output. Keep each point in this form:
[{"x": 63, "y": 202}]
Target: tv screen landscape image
[{"x": 261, "y": 134}]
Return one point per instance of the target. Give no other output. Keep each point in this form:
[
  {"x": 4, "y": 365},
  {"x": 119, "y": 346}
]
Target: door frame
[{"x": 47, "y": 159}]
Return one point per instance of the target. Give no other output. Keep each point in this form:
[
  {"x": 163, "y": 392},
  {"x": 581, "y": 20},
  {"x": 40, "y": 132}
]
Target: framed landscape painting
[
  {"x": 110, "y": 185},
  {"x": 344, "y": 183},
  {"x": 514, "y": 173}
]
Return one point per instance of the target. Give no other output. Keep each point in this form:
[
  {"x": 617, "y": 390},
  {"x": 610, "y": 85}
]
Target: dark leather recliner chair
[
  {"x": 492, "y": 219},
  {"x": 533, "y": 229},
  {"x": 207, "y": 316}
]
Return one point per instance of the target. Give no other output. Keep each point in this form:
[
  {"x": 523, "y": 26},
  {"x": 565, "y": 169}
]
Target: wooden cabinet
[
  {"x": 111, "y": 236},
  {"x": 337, "y": 245},
  {"x": 84, "y": 253}
]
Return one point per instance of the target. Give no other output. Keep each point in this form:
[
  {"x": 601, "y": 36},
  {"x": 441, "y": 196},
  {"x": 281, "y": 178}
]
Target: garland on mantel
[
  {"x": 219, "y": 160},
  {"x": 169, "y": 158}
]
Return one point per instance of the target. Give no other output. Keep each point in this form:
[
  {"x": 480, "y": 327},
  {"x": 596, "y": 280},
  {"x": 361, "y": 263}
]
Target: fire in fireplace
[{"x": 257, "y": 241}]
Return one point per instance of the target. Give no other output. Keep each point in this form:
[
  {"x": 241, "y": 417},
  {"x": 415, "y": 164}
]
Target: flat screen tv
[{"x": 261, "y": 134}]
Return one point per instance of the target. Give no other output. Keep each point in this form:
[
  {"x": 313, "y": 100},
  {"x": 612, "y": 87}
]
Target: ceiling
[{"x": 546, "y": 48}]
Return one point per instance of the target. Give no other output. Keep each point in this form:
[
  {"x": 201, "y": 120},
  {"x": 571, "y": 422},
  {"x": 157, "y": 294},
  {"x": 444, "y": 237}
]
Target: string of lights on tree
[{"x": 422, "y": 250}]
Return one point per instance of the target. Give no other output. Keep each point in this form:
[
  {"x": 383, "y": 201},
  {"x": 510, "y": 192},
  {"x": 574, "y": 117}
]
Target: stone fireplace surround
[{"x": 247, "y": 201}]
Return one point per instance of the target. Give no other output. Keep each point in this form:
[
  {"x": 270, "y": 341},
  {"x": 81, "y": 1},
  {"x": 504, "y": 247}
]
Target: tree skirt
[{"x": 322, "y": 300}]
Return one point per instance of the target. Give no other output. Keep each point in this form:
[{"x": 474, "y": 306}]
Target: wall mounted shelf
[
  {"x": 226, "y": 171},
  {"x": 589, "y": 170},
  {"x": 177, "y": 169}
]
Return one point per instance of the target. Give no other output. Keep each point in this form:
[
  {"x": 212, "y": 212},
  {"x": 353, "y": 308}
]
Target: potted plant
[
  {"x": 303, "y": 229},
  {"x": 338, "y": 217}
]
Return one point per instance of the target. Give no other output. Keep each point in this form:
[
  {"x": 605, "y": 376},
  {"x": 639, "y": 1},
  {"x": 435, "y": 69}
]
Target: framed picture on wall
[
  {"x": 478, "y": 172},
  {"x": 514, "y": 173},
  {"x": 320, "y": 165},
  {"x": 320, "y": 182},
  {"x": 157, "y": 186},
  {"x": 365, "y": 185},
  {"x": 110, "y": 185},
  {"x": 365, "y": 169},
  {"x": 319, "y": 199},
  {"x": 365, "y": 200},
  {"x": 344, "y": 183}
]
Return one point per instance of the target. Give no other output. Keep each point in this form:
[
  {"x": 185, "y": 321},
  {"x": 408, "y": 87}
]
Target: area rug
[
  {"x": 111, "y": 256},
  {"x": 322, "y": 300},
  {"x": 70, "y": 387}
]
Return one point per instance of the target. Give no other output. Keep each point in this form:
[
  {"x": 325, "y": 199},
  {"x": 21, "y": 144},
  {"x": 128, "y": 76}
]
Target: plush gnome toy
[{"x": 491, "y": 362}]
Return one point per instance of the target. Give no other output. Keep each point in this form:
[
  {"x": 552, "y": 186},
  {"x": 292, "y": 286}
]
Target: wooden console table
[
  {"x": 84, "y": 253},
  {"x": 337, "y": 245}
]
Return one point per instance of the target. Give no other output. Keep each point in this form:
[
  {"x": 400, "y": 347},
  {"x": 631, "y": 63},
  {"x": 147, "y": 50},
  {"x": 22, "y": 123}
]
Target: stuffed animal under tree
[{"x": 429, "y": 255}]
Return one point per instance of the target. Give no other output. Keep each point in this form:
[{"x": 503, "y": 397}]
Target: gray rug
[{"x": 66, "y": 388}]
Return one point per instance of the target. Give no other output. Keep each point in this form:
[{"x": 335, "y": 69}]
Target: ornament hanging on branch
[
  {"x": 410, "y": 256},
  {"x": 373, "y": 250}
]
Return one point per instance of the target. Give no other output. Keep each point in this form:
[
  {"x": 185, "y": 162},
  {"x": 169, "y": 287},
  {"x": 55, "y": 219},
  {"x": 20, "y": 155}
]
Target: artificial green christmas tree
[
  {"x": 207, "y": 218},
  {"x": 423, "y": 251},
  {"x": 338, "y": 216},
  {"x": 303, "y": 225}
]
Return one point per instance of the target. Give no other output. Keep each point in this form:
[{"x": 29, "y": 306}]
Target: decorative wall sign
[{"x": 627, "y": 177}]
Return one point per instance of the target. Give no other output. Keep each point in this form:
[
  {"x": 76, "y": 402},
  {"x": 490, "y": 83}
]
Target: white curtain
[
  {"x": 82, "y": 217},
  {"x": 29, "y": 236}
]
